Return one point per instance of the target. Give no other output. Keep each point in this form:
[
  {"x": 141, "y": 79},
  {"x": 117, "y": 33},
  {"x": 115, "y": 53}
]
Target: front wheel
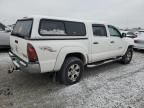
[
  {"x": 71, "y": 71},
  {"x": 126, "y": 59}
]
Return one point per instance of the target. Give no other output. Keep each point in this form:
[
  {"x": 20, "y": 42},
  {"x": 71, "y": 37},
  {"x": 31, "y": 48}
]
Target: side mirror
[{"x": 123, "y": 35}]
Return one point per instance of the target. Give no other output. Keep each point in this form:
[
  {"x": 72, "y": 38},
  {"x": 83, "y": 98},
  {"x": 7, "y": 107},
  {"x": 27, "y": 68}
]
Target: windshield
[{"x": 23, "y": 28}]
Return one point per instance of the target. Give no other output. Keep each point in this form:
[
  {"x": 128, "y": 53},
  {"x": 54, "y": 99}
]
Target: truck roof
[{"x": 62, "y": 18}]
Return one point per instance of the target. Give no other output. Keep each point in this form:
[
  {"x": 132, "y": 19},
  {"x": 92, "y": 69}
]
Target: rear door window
[
  {"x": 23, "y": 28},
  {"x": 99, "y": 30},
  {"x": 75, "y": 28}
]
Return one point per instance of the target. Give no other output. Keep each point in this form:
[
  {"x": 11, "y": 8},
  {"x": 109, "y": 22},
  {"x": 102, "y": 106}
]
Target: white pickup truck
[{"x": 42, "y": 44}]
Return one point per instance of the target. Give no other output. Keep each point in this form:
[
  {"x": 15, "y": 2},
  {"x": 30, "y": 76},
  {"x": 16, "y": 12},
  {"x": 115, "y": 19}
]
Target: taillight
[{"x": 32, "y": 55}]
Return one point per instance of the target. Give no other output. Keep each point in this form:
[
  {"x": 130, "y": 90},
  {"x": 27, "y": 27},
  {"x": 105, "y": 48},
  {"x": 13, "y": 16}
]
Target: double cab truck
[{"x": 41, "y": 44}]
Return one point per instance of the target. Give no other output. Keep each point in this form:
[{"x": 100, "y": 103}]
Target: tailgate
[{"x": 19, "y": 47}]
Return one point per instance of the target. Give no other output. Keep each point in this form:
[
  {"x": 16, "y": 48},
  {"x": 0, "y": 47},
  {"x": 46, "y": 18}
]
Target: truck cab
[{"x": 41, "y": 44}]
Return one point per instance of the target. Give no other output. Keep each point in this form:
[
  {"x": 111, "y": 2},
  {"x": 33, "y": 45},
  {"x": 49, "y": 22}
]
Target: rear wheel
[
  {"x": 126, "y": 59},
  {"x": 71, "y": 71}
]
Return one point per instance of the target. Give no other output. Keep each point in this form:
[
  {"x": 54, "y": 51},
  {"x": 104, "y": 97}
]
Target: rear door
[
  {"x": 19, "y": 38},
  {"x": 116, "y": 42},
  {"x": 100, "y": 43}
]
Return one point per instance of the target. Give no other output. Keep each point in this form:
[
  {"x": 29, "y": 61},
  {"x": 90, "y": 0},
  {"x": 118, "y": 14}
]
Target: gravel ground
[{"x": 111, "y": 85}]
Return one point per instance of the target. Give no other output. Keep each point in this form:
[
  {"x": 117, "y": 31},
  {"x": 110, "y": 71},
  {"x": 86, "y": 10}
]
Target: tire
[
  {"x": 126, "y": 59},
  {"x": 71, "y": 71}
]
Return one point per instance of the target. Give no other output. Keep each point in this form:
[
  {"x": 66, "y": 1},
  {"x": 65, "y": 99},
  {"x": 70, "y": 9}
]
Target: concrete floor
[{"x": 111, "y": 85}]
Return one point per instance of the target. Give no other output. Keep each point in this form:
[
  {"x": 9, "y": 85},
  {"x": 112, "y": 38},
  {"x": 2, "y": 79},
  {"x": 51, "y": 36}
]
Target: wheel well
[{"x": 78, "y": 55}]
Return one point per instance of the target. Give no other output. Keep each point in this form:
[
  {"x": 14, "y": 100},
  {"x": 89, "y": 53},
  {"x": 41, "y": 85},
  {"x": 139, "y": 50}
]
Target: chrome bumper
[{"x": 24, "y": 66}]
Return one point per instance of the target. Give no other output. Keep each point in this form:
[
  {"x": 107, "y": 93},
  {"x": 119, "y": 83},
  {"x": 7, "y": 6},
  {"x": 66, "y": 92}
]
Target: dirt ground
[{"x": 111, "y": 85}]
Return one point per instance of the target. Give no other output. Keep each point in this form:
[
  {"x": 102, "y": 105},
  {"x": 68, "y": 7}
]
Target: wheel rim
[
  {"x": 73, "y": 72},
  {"x": 129, "y": 55}
]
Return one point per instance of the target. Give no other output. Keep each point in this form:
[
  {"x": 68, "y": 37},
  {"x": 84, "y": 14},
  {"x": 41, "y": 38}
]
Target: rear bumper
[{"x": 24, "y": 66}]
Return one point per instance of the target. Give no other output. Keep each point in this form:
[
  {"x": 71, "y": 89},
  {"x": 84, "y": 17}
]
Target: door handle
[
  {"x": 112, "y": 42},
  {"x": 95, "y": 43},
  {"x": 16, "y": 41}
]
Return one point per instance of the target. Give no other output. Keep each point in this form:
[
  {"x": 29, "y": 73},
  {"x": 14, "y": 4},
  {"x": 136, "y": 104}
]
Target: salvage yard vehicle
[
  {"x": 41, "y": 44},
  {"x": 4, "y": 36},
  {"x": 129, "y": 34},
  {"x": 139, "y": 41}
]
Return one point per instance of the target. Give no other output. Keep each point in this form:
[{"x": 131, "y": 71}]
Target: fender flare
[{"x": 68, "y": 50}]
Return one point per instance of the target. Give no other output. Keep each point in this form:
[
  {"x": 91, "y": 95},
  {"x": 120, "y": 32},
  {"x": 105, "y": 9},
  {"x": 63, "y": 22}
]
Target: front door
[{"x": 117, "y": 43}]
